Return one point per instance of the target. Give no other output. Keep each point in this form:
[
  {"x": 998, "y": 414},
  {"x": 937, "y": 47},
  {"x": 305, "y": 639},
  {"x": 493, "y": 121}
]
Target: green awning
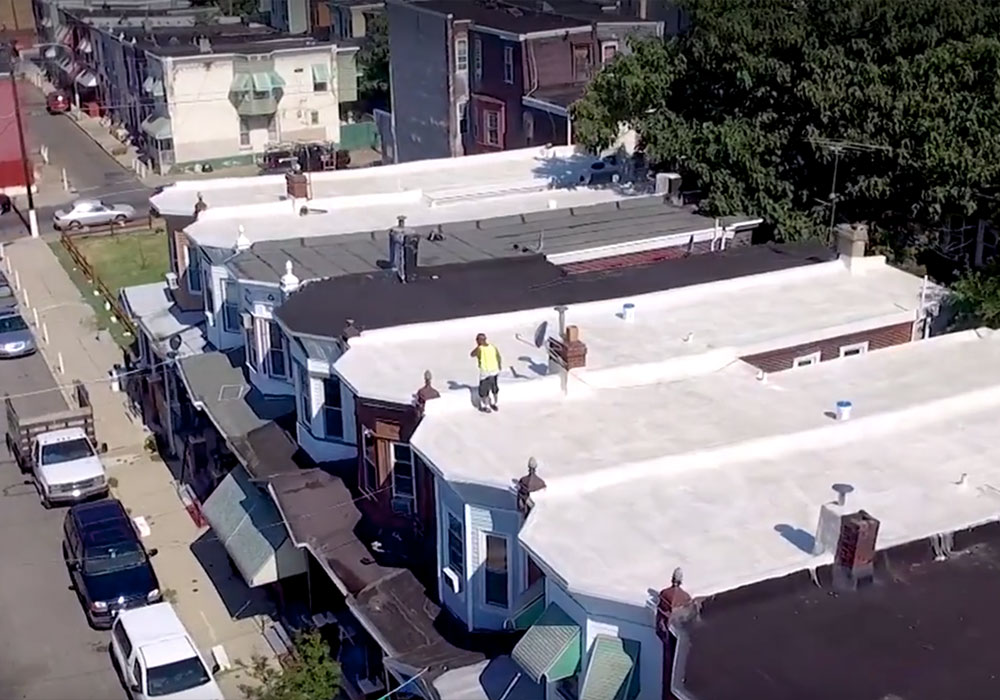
[
  {"x": 321, "y": 73},
  {"x": 613, "y": 670},
  {"x": 246, "y": 521},
  {"x": 266, "y": 81},
  {"x": 241, "y": 83},
  {"x": 528, "y": 607},
  {"x": 550, "y": 649}
]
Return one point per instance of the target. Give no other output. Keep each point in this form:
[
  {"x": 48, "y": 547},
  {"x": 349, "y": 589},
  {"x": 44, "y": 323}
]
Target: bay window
[
  {"x": 230, "y": 306},
  {"x": 277, "y": 353},
  {"x": 496, "y": 576},
  {"x": 404, "y": 493},
  {"x": 333, "y": 421}
]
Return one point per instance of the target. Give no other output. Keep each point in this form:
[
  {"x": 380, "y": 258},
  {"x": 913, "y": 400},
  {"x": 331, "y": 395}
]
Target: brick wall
[
  {"x": 829, "y": 349},
  {"x": 646, "y": 257}
]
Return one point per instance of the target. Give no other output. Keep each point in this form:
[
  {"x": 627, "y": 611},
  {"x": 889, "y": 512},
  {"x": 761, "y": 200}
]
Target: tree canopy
[
  {"x": 311, "y": 675},
  {"x": 754, "y": 103},
  {"x": 373, "y": 62}
]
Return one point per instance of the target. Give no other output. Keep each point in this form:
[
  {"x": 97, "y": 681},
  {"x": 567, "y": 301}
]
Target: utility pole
[
  {"x": 32, "y": 214},
  {"x": 838, "y": 148}
]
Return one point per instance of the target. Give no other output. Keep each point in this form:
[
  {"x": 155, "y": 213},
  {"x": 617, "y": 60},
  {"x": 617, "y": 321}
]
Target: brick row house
[
  {"x": 481, "y": 76},
  {"x": 326, "y": 354}
]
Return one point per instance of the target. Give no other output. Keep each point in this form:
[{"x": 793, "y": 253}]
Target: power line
[{"x": 838, "y": 148}]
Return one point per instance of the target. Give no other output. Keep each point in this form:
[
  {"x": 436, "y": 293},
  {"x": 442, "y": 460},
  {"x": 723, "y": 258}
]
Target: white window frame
[
  {"x": 477, "y": 57},
  {"x": 449, "y": 514},
  {"x": 462, "y": 54},
  {"x": 483, "y": 536},
  {"x": 854, "y": 349},
  {"x": 487, "y": 130},
  {"x": 230, "y": 307},
  {"x": 508, "y": 64},
  {"x": 813, "y": 358},
  {"x": 192, "y": 273},
  {"x": 368, "y": 439},
  {"x": 303, "y": 401},
  {"x": 272, "y": 327},
  {"x": 252, "y": 348},
  {"x": 339, "y": 408},
  {"x": 412, "y": 463},
  {"x": 245, "y": 133},
  {"x": 605, "y": 45}
]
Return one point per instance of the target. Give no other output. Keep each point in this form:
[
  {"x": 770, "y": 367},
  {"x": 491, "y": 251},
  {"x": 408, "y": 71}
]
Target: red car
[{"x": 57, "y": 102}]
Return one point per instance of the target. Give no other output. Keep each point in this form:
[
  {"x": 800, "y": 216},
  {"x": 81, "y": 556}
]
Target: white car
[
  {"x": 92, "y": 212},
  {"x": 156, "y": 657},
  {"x": 66, "y": 467}
]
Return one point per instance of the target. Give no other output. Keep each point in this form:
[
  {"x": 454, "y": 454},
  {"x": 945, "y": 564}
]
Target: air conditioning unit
[
  {"x": 247, "y": 320},
  {"x": 452, "y": 580},
  {"x": 171, "y": 278}
]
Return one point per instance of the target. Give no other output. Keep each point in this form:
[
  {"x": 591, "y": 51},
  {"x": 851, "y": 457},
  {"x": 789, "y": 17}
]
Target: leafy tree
[
  {"x": 751, "y": 105},
  {"x": 975, "y": 298},
  {"x": 373, "y": 62},
  {"x": 311, "y": 675}
]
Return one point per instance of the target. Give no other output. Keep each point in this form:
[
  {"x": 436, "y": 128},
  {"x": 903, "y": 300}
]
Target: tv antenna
[{"x": 838, "y": 147}]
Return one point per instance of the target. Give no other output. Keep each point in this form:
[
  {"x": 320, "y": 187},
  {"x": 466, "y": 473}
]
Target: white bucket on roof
[
  {"x": 844, "y": 410},
  {"x": 628, "y": 312}
]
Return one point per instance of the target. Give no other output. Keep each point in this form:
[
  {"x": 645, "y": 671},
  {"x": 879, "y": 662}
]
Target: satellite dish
[{"x": 541, "y": 333}]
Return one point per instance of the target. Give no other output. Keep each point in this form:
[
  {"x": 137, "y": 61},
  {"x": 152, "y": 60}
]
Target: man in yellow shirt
[{"x": 489, "y": 361}]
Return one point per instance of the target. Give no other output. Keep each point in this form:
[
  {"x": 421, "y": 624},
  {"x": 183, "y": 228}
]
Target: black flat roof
[
  {"x": 925, "y": 630},
  {"x": 380, "y": 300}
]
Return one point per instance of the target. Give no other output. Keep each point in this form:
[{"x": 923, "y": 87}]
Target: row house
[
  {"x": 482, "y": 76},
  {"x": 192, "y": 91}
]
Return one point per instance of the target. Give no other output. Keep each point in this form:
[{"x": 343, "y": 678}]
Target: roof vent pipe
[{"x": 561, "y": 310}]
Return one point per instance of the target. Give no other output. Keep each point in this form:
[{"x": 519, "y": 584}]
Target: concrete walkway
[{"x": 192, "y": 566}]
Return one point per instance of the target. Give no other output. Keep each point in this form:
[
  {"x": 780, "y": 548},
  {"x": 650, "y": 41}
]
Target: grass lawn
[
  {"x": 126, "y": 259},
  {"x": 121, "y": 261}
]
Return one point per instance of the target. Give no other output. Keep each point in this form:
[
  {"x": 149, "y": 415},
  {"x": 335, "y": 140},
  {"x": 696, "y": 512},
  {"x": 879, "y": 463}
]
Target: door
[
  {"x": 100, "y": 214},
  {"x": 121, "y": 648},
  {"x": 134, "y": 679}
]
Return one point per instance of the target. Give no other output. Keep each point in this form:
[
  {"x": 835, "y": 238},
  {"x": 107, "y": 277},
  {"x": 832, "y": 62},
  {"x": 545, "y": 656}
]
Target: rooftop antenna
[{"x": 838, "y": 148}]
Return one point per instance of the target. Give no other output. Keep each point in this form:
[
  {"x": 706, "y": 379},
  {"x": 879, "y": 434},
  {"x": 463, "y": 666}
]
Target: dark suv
[{"x": 109, "y": 567}]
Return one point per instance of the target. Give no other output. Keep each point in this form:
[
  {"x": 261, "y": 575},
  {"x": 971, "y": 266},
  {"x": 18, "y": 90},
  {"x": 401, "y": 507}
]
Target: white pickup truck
[{"x": 58, "y": 451}]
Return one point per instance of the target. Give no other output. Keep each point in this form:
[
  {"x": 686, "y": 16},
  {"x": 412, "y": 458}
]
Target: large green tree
[
  {"x": 311, "y": 675},
  {"x": 753, "y": 104},
  {"x": 373, "y": 62}
]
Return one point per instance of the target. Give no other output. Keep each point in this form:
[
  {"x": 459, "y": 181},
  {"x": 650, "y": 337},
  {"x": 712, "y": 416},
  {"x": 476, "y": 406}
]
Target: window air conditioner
[
  {"x": 451, "y": 578},
  {"x": 247, "y": 320}
]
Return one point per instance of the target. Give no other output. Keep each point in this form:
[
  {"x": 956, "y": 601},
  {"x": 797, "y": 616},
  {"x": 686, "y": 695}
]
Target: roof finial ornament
[
  {"x": 242, "y": 242},
  {"x": 289, "y": 282},
  {"x": 199, "y": 206}
]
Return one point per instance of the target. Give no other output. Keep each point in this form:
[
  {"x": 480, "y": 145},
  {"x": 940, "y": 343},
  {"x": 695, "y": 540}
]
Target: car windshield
[
  {"x": 176, "y": 677},
  {"x": 12, "y": 324},
  {"x": 110, "y": 558},
  {"x": 68, "y": 451}
]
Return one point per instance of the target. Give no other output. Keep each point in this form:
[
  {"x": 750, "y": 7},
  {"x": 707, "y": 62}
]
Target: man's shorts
[{"x": 488, "y": 385}]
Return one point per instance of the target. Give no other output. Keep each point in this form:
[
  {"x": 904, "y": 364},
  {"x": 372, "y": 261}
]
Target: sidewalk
[{"x": 75, "y": 350}]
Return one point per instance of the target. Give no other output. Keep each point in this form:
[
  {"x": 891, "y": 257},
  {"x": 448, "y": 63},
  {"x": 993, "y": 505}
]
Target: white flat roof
[
  {"x": 721, "y": 321},
  {"x": 724, "y": 475},
  {"x": 428, "y": 192}
]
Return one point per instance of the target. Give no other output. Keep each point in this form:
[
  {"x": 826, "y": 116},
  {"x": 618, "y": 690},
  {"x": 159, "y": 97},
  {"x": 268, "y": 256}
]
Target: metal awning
[
  {"x": 241, "y": 83},
  {"x": 528, "y": 607},
  {"x": 550, "y": 649},
  {"x": 86, "y": 79},
  {"x": 266, "y": 81},
  {"x": 157, "y": 127},
  {"x": 321, "y": 73},
  {"x": 613, "y": 670},
  {"x": 247, "y": 523},
  {"x": 152, "y": 86}
]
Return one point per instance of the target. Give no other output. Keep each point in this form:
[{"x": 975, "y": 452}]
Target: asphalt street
[
  {"x": 49, "y": 651},
  {"x": 89, "y": 168}
]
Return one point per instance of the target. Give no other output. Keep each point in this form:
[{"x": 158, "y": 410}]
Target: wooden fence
[{"x": 88, "y": 270}]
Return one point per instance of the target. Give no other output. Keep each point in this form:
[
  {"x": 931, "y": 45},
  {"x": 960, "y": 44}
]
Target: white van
[{"x": 156, "y": 657}]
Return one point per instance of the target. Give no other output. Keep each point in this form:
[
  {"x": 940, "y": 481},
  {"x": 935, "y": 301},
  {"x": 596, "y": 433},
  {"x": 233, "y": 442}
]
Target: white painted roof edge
[{"x": 162, "y": 203}]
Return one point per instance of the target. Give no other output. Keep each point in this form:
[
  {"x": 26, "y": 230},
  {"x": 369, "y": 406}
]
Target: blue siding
[
  {"x": 448, "y": 501},
  {"x": 502, "y": 522}
]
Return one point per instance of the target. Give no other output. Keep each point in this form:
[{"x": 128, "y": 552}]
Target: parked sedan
[
  {"x": 92, "y": 212},
  {"x": 15, "y": 336}
]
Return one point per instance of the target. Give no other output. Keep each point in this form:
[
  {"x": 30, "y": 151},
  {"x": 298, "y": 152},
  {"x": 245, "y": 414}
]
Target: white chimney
[
  {"x": 852, "y": 239},
  {"x": 289, "y": 282},
  {"x": 242, "y": 242}
]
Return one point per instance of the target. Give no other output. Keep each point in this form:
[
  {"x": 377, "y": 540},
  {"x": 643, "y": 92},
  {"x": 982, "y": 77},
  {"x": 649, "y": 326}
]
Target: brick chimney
[
  {"x": 427, "y": 392},
  {"x": 673, "y": 605},
  {"x": 527, "y": 485},
  {"x": 568, "y": 350},
  {"x": 852, "y": 239},
  {"x": 854, "y": 560},
  {"x": 297, "y": 186}
]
